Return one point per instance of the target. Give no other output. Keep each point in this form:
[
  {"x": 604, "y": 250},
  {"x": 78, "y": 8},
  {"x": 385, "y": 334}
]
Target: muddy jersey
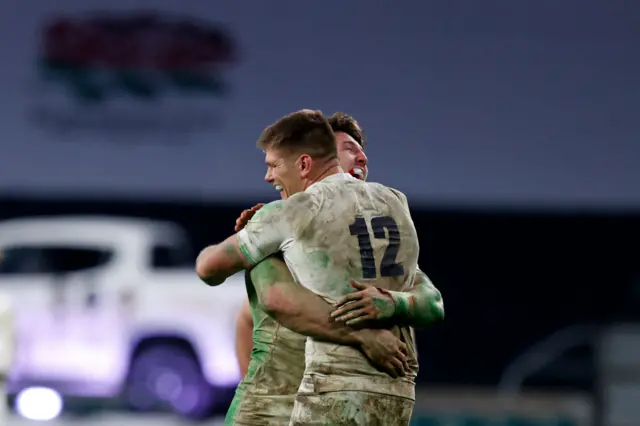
[
  {"x": 339, "y": 229},
  {"x": 266, "y": 395}
]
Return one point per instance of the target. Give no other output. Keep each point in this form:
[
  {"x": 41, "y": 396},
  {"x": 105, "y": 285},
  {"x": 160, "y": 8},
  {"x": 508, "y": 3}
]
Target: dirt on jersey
[
  {"x": 266, "y": 396},
  {"x": 340, "y": 229},
  {"x": 360, "y": 231},
  {"x": 351, "y": 409}
]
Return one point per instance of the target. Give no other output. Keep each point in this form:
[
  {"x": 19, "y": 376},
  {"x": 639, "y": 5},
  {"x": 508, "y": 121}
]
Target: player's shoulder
[
  {"x": 294, "y": 205},
  {"x": 306, "y": 200},
  {"x": 269, "y": 209},
  {"x": 384, "y": 188}
]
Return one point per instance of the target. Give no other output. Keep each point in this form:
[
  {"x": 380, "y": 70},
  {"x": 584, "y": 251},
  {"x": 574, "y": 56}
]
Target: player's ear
[{"x": 304, "y": 164}]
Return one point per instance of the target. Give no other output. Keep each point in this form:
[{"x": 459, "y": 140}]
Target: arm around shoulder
[
  {"x": 296, "y": 307},
  {"x": 262, "y": 236}
]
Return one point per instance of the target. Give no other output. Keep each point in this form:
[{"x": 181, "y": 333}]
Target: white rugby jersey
[{"x": 339, "y": 229}]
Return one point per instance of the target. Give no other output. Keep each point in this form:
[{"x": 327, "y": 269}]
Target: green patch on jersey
[{"x": 277, "y": 359}]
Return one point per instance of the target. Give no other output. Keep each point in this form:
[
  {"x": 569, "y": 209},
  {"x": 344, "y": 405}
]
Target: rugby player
[
  {"x": 301, "y": 155},
  {"x": 350, "y": 139},
  {"x": 271, "y": 338},
  {"x": 267, "y": 394},
  {"x": 424, "y": 304}
]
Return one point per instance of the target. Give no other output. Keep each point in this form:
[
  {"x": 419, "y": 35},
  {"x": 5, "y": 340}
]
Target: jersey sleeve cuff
[{"x": 243, "y": 244}]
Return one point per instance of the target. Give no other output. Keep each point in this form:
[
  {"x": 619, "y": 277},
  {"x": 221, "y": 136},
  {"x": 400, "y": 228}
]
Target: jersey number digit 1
[{"x": 381, "y": 225}]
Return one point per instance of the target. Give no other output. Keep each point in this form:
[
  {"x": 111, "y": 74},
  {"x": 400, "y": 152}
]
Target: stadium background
[{"x": 512, "y": 127}]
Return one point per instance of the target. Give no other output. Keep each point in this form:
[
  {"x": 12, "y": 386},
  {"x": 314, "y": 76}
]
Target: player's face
[
  {"x": 352, "y": 158},
  {"x": 283, "y": 173}
]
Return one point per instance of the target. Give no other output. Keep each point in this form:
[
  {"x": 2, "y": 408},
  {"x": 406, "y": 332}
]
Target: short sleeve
[
  {"x": 275, "y": 225},
  {"x": 265, "y": 233}
]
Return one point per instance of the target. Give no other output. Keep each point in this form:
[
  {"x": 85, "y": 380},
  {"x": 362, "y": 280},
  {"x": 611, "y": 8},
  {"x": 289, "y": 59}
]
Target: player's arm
[
  {"x": 262, "y": 237},
  {"x": 296, "y": 307},
  {"x": 306, "y": 313},
  {"x": 218, "y": 262},
  {"x": 244, "y": 337},
  {"x": 419, "y": 307}
]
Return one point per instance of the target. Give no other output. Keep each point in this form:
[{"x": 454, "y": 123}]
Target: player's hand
[
  {"x": 366, "y": 304},
  {"x": 385, "y": 351},
  {"x": 246, "y": 216}
]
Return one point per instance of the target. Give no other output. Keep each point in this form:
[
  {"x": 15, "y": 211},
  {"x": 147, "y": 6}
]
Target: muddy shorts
[{"x": 351, "y": 408}]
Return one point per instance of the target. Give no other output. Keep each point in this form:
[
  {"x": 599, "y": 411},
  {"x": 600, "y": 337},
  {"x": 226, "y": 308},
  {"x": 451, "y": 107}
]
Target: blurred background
[{"x": 129, "y": 132}]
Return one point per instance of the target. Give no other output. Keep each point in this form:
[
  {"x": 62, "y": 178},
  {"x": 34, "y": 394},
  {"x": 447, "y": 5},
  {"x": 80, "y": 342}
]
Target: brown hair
[
  {"x": 341, "y": 122},
  {"x": 306, "y": 131}
]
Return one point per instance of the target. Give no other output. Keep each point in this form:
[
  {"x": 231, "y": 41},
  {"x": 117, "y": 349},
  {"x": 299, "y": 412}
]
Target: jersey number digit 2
[{"x": 381, "y": 225}]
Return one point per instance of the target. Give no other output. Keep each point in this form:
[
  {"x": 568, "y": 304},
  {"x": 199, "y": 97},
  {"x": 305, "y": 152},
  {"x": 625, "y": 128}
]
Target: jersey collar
[{"x": 338, "y": 177}]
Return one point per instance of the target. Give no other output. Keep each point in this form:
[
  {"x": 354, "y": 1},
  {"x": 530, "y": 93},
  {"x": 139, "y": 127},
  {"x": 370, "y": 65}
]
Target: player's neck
[{"x": 329, "y": 169}]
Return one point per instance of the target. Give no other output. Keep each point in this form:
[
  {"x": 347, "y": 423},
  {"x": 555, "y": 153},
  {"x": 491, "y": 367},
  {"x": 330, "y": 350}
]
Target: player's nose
[
  {"x": 361, "y": 159},
  {"x": 268, "y": 177}
]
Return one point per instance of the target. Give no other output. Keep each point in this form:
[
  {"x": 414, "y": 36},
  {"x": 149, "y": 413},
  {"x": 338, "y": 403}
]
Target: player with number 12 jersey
[{"x": 339, "y": 229}]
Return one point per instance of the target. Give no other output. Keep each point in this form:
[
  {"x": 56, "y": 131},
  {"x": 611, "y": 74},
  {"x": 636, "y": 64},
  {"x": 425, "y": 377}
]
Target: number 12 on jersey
[{"x": 384, "y": 227}]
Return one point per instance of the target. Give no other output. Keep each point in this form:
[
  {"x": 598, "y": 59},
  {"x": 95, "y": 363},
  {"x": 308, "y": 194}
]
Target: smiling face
[
  {"x": 283, "y": 172},
  {"x": 352, "y": 158},
  {"x": 286, "y": 174},
  {"x": 350, "y": 139},
  {"x": 299, "y": 148}
]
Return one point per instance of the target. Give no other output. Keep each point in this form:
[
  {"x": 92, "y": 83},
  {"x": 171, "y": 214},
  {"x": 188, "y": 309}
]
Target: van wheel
[{"x": 168, "y": 377}]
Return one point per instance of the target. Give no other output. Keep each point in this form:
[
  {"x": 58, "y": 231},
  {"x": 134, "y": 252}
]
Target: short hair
[
  {"x": 306, "y": 131},
  {"x": 341, "y": 122}
]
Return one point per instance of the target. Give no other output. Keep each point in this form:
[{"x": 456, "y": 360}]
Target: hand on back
[{"x": 368, "y": 303}]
